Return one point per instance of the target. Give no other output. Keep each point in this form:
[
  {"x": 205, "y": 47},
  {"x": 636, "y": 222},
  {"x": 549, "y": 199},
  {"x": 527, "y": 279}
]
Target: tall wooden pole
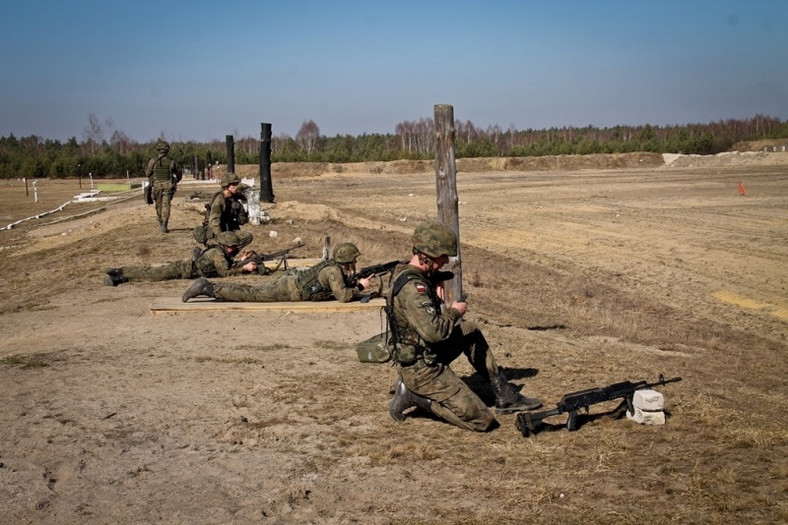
[
  {"x": 446, "y": 182},
  {"x": 228, "y": 139},
  {"x": 266, "y": 187}
]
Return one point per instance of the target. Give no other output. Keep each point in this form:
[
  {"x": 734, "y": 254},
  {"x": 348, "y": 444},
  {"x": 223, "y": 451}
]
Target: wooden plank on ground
[{"x": 204, "y": 304}]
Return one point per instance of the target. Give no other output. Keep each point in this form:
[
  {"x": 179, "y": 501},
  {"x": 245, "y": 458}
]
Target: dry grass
[{"x": 309, "y": 408}]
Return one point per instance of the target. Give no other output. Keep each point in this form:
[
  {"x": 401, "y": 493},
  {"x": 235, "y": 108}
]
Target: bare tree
[
  {"x": 308, "y": 136},
  {"x": 120, "y": 142},
  {"x": 93, "y": 133}
]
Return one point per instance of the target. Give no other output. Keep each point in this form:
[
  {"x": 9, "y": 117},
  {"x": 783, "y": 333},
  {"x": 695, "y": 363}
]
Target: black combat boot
[
  {"x": 404, "y": 399},
  {"x": 508, "y": 399},
  {"x": 115, "y": 278},
  {"x": 201, "y": 286}
]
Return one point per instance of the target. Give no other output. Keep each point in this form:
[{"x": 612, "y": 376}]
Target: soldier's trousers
[
  {"x": 283, "y": 289},
  {"x": 174, "y": 270},
  {"x": 452, "y": 399},
  {"x": 163, "y": 190}
]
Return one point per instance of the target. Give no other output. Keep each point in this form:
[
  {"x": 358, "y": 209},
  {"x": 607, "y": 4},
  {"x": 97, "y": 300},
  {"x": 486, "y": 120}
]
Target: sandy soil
[{"x": 579, "y": 278}]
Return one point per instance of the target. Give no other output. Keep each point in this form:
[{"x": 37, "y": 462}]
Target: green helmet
[
  {"x": 346, "y": 253},
  {"x": 230, "y": 178},
  {"x": 163, "y": 147},
  {"x": 435, "y": 239},
  {"x": 228, "y": 239}
]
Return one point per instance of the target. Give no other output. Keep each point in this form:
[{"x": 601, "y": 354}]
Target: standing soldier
[
  {"x": 429, "y": 335},
  {"x": 163, "y": 175}
]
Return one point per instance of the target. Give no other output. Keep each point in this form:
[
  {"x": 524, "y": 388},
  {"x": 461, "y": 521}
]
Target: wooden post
[
  {"x": 446, "y": 182},
  {"x": 266, "y": 188},
  {"x": 228, "y": 139}
]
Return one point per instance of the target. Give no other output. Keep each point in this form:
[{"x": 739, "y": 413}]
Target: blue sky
[{"x": 198, "y": 70}]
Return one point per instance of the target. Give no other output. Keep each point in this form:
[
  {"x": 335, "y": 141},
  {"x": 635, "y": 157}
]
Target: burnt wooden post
[
  {"x": 266, "y": 188},
  {"x": 446, "y": 182},
  {"x": 228, "y": 139}
]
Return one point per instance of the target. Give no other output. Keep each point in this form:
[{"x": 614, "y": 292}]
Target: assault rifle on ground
[
  {"x": 530, "y": 422},
  {"x": 260, "y": 259}
]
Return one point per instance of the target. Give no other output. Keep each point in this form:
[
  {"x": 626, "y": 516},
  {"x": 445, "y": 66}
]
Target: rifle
[
  {"x": 529, "y": 422},
  {"x": 376, "y": 269},
  {"x": 260, "y": 259}
]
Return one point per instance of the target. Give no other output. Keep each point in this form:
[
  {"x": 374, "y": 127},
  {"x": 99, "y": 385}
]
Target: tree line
[{"x": 106, "y": 152}]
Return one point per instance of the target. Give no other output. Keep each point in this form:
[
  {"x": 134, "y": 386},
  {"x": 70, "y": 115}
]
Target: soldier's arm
[
  {"x": 149, "y": 169},
  {"x": 332, "y": 276},
  {"x": 215, "y": 215},
  {"x": 176, "y": 171},
  {"x": 431, "y": 323},
  {"x": 224, "y": 266}
]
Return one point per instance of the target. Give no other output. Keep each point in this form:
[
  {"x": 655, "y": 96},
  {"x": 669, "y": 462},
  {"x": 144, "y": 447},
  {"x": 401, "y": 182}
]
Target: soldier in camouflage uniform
[
  {"x": 164, "y": 175},
  {"x": 330, "y": 279},
  {"x": 428, "y": 336},
  {"x": 215, "y": 261},
  {"x": 225, "y": 211}
]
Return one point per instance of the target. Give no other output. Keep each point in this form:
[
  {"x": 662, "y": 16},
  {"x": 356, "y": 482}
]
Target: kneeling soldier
[{"x": 429, "y": 335}]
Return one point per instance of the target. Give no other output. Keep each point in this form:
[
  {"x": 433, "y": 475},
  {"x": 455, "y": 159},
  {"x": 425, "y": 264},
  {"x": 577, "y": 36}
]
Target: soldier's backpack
[
  {"x": 382, "y": 348},
  {"x": 376, "y": 349},
  {"x": 309, "y": 285}
]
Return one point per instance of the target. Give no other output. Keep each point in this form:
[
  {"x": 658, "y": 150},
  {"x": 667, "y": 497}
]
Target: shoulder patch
[{"x": 421, "y": 288}]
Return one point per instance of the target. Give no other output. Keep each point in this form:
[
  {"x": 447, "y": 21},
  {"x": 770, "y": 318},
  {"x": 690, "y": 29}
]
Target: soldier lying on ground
[
  {"x": 429, "y": 334},
  {"x": 217, "y": 260},
  {"x": 333, "y": 278}
]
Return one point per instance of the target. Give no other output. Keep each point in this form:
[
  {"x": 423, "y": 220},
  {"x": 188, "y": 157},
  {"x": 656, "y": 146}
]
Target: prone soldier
[
  {"x": 332, "y": 278},
  {"x": 217, "y": 260}
]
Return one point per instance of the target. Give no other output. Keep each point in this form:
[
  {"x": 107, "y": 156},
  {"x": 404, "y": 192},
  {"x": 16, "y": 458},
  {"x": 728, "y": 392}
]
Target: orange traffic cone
[{"x": 742, "y": 191}]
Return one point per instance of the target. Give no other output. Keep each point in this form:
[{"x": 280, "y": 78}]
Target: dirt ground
[{"x": 578, "y": 277}]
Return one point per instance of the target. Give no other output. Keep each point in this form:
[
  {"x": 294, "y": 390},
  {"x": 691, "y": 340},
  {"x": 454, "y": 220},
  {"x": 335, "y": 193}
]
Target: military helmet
[
  {"x": 228, "y": 239},
  {"x": 230, "y": 178},
  {"x": 435, "y": 239},
  {"x": 162, "y": 146},
  {"x": 346, "y": 253}
]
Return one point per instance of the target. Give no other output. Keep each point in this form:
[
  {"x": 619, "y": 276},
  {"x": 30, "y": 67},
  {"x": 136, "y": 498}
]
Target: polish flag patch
[{"x": 421, "y": 288}]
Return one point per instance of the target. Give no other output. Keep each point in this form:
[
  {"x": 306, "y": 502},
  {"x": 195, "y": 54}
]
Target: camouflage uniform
[
  {"x": 213, "y": 261},
  {"x": 225, "y": 214},
  {"x": 435, "y": 339},
  {"x": 333, "y": 285},
  {"x": 164, "y": 175},
  {"x": 430, "y": 336},
  {"x": 322, "y": 282}
]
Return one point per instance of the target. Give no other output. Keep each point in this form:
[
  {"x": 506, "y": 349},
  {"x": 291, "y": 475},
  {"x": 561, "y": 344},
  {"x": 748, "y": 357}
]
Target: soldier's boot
[
  {"x": 164, "y": 227},
  {"x": 114, "y": 271},
  {"x": 508, "y": 399},
  {"x": 201, "y": 286},
  {"x": 404, "y": 399},
  {"x": 114, "y": 279}
]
